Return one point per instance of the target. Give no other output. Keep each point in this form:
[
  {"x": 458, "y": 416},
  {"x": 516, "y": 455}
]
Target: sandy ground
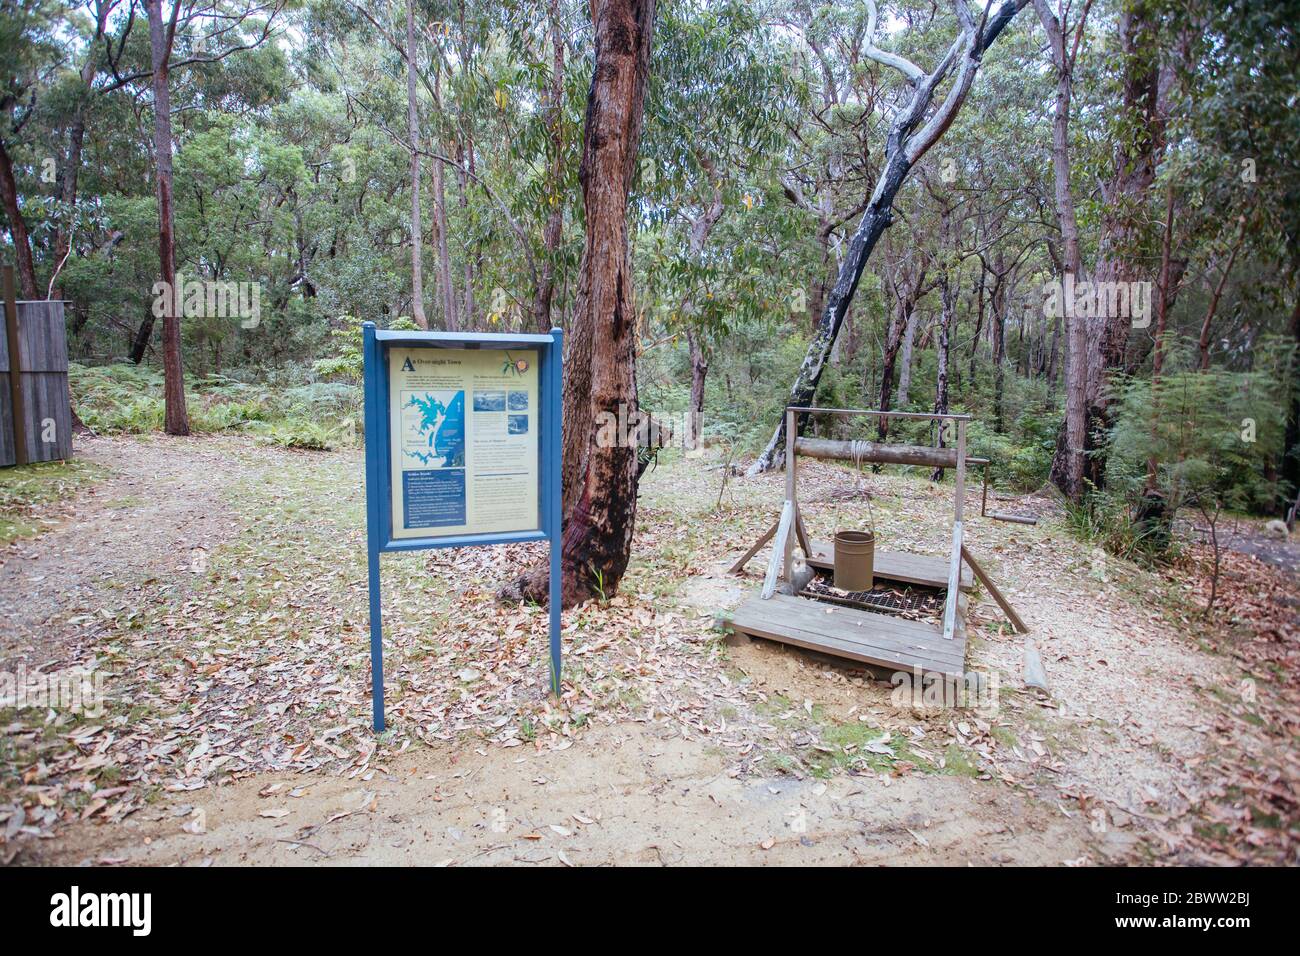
[
  {"x": 625, "y": 795},
  {"x": 1102, "y": 772}
]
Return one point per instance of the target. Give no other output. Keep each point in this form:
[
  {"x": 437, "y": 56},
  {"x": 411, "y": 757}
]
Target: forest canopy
[{"x": 1097, "y": 247}]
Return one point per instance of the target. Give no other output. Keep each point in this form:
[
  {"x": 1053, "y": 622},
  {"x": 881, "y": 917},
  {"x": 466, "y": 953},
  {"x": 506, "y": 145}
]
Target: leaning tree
[{"x": 917, "y": 126}]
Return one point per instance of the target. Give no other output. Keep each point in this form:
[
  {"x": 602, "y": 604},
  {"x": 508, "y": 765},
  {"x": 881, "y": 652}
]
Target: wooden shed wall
[{"x": 43, "y": 364}]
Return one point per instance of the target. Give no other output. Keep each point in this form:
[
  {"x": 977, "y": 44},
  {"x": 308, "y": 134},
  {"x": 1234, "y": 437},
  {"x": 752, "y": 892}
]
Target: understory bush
[{"x": 128, "y": 399}]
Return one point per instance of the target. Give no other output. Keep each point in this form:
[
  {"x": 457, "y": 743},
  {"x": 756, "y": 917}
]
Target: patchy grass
[{"x": 30, "y": 493}]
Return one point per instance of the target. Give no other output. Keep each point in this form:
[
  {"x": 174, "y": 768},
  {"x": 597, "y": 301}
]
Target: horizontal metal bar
[
  {"x": 463, "y": 540},
  {"x": 879, "y": 414}
]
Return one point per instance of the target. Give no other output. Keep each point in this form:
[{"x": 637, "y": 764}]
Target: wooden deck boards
[
  {"x": 882, "y": 640},
  {"x": 898, "y": 566}
]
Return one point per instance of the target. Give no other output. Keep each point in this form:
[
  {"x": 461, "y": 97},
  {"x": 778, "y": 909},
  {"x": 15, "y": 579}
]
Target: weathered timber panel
[{"x": 43, "y": 384}]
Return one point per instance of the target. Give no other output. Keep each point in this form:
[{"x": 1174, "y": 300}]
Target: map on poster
[{"x": 464, "y": 440}]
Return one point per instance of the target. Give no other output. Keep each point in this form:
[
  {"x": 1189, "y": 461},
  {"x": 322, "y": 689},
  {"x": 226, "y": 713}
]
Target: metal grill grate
[{"x": 908, "y": 602}]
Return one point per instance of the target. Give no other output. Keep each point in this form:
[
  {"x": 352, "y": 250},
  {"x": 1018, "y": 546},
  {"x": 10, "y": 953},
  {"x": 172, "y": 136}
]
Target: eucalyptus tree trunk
[
  {"x": 176, "y": 420},
  {"x": 1203, "y": 341},
  {"x": 600, "y": 476},
  {"x": 912, "y": 290},
  {"x": 1291, "y": 441},
  {"x": 998, "y": 328},
  {"x": 17, "y": 227},
  {"x": 699, "y": 371},
  {"x": 76, "y": 138},
  {"x": 1097, "y": 345},
  {"x": 446, "y": 284},
  {"x": 944, "y": 351},
  {"x": 1067, "y": 463},
  {"x": 413, "y": 134},
  {"x": 553, "y": 231},
  {"x": 908, "y": 140},
  {"x": 905, "y": 359},
  {"x": 701, "y": 227}
]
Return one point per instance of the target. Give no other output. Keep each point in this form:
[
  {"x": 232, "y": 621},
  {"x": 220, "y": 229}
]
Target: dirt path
[
  {"x": 238, "y": 727},
  {"x": 159, "y": 502}
]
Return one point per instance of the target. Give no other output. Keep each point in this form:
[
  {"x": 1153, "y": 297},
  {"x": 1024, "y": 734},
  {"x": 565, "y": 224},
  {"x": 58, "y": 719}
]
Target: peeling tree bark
[
  {"x": 600, "y": 476},
  {"x": 17, "y": 227}
]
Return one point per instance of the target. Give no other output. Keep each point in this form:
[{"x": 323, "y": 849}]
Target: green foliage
[
  {"x": 1211, "y": 435},
  {"x": 345, "y": 360},
  {"x": 126, "y": 398},
  {"x": 299, "y": 433}
]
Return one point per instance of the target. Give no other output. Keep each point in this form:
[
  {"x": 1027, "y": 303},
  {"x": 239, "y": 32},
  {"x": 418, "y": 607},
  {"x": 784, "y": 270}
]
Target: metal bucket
[{"x": 855, "y": 560}]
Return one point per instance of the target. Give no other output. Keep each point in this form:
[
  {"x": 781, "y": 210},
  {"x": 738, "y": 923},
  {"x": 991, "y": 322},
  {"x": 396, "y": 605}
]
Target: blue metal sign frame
[{"x": 379, "y": 476}]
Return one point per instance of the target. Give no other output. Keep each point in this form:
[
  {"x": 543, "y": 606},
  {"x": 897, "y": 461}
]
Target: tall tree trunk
[
  {"x": 699, "y": 369},
  {"x": 888, "y": 359},
  {"x": 1291, "y": 441},
  {"x": 701, "y": 227},
  {"x": 17, "y": 227},
  {"x": 1053, "y": 355},
  {"x": 905, "y": 359},
  {"x": 908, "y": 295},
  {"x": 1067, "y": 464},
  {"x": 1124, "y": 220},
  {"x": 446, "y": 284},
  {"x": 1203, "y": 343},
  {"x": 600, "y": 477},
  {"x": 998, "y": 329},
  {"x": 944, "y": 351},
  {"x": 76, "y": 139},
  {"x": 1158, "y": 348},
  {"x": 979, "y": 323},
  {"x": 160, "y": 42},
  {"x": 553, "y": 231},
  {"x": 413, "y": 135}
]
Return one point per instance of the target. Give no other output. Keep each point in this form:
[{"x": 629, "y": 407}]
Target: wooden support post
[
  {"x": 805, "y": 542},
  {"x": 791, "y": 500},
  {"x": 1003, "y": 603},
  {"x": 16, "y": 407},
  {"x": 954, "y": 583},
  {"x": 960, "y": 492},
  {"x": 780, "y": 548},
  {"x": 744, "y": 558},
  {"x": 954, "y": 559}
]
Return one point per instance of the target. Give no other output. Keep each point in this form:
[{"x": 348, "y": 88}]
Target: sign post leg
[
  {"x": 374, "y": 531},
  {"x": 554, "y": 493},
  {"x": 557, "y": 579},
  {"x": 376, "y": 645}
]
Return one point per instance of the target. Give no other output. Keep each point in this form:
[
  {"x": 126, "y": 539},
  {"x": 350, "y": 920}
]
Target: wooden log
[
  {"x": 1018, "y": 519},
  {"x": 1034, "y": 673},
  {"x": 881, "y": 452}
]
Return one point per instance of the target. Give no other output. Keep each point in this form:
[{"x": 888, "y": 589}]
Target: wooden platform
[
  {"x": 882, "y": 640},
  {"x": 898, "y": 566}
]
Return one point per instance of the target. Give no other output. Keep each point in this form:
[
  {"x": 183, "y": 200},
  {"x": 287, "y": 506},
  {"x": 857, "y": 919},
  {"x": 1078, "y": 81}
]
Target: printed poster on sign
[{"x": 464, "y": 441}]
